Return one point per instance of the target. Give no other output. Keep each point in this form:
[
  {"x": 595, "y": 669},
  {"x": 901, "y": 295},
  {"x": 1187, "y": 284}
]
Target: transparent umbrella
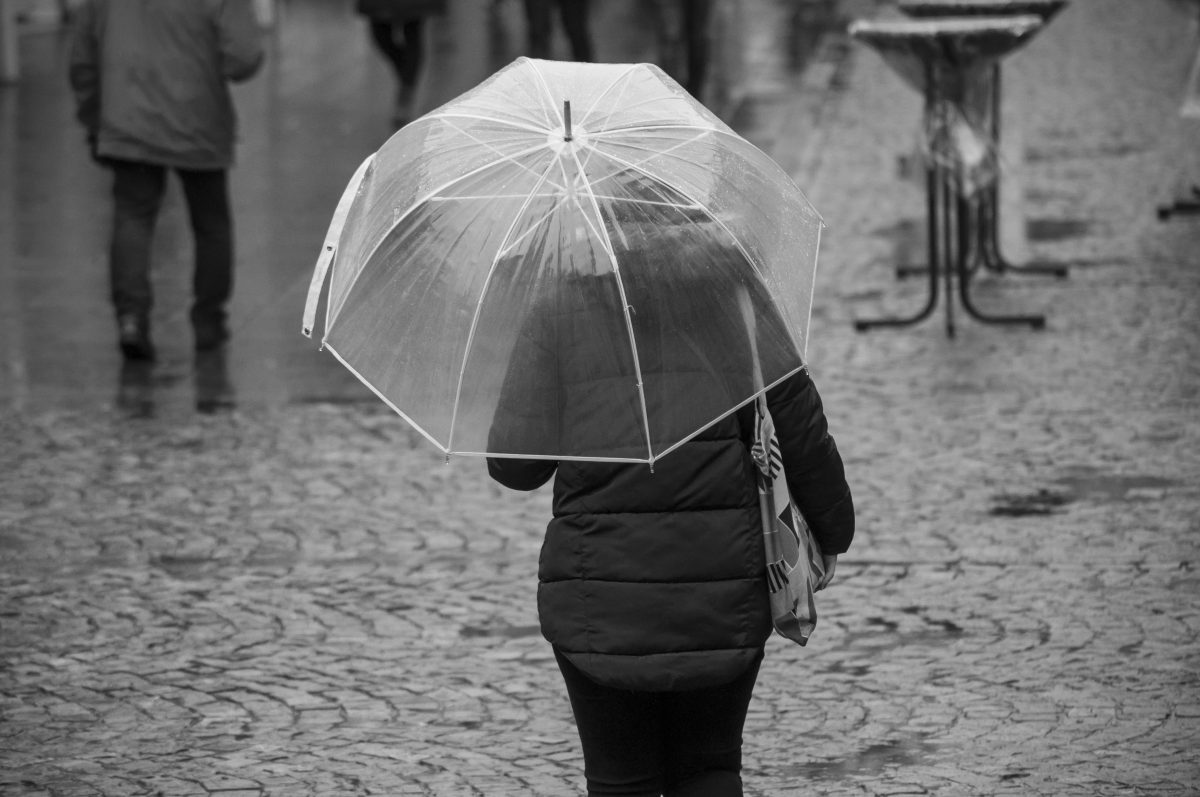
[{"x": 568, "y": 262}]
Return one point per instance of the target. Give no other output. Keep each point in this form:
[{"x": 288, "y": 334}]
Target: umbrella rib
[
  {"x": 479, "y": 118},
  {"x": 462, "y": 368},
  {"x": 552, "y": 108},
  {"x": 635, "y": 201},
  {"x": 618, "y": 79},
  {"x": 486, "y": 197},
  {"x": 431, "y": 196},
  {"x": 727, "y": 413},
  {"x": 736, "y": 241},
  {"x": 532, "y": 229},
  {"x": 637, "y": 365},
  {"x": 656, "y": 152},
  {"x": 492, "y": 148},
  {"x": 385, "y": 399},
  {"x": 650, "y": 128}
]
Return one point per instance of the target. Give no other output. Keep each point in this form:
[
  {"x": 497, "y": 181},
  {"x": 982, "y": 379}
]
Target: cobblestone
[{"x": 305, "y": 600}]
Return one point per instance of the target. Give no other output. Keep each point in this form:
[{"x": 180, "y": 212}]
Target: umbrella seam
[
  {"x": 603, "y": 126},
  {"x": 417, "y": 203},
  {"x": 724, "y": 415},
  {"x": 513, "y": 125},
  {"x": 632, "y": 68},
  {"x": 387, "y": 401},
  {"x": 719, "y": 131},
  {"x": 736, "y": 242},
  {"x": 502, "y": 157},
  {"x": 479, "y": 303},
  {"x": 552, "y": 111},
  {"x": 624, "y": 304}
]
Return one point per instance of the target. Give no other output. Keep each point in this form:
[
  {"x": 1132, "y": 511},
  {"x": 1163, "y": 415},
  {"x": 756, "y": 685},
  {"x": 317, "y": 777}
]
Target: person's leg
[
  {"x": 704, "y": 738},
  {"x": 414, "y": 52},
  {"x": 207, "y": 194},
  {"x": 386, "y": 36},
  {"x": 137, "y": 196},
  {"x": 574, "y": 15},
  {"x": 621, "y": 735},
  {"x": 695, "y": 22},
  {"x": 409, "y": 73},
  {"x": 537, "y": 19},
  {"x": 383, "y": 33}
]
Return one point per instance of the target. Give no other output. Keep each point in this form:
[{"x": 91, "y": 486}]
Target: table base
[{"x": 956, "y": 247}]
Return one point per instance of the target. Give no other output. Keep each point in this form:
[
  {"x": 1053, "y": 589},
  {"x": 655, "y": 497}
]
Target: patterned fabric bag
[{"x": 794, "y": 563}]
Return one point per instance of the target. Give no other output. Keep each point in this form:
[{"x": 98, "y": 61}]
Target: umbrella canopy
[{"x": 569, "y": 261}]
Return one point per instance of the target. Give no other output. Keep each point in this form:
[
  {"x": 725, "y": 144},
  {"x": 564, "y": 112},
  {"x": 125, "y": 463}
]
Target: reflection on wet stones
[
  {"x": 500, "y": 631},
  {"x": 184, "y": 566},
  {"x": 1045, "y": 230},
  {"x": 1042, "y": 502},
  {"x": 1097, "y": 486},
  {"x": 872, "y": 760}
]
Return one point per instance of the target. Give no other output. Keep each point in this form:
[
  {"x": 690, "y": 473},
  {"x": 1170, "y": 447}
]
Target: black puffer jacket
[{"x": 654, "y": 580}]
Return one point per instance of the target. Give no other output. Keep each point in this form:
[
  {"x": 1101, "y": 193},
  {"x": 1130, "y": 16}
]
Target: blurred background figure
[
  {"x": 151, "y": 89},
  {"x": 398, "y": 30},
  {"x": 574, "y": 16},
  {"x": 683, "y": 41}
]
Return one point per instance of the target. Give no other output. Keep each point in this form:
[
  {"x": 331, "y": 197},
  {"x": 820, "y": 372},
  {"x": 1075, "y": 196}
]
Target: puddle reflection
[
  {"x": 145, "y": 390},
  {"x": 214, "y": 390},
  {"x": 871, "y": 760}
]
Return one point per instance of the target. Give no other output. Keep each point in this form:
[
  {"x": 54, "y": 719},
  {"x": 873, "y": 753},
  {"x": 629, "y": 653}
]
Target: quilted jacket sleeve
[{"x": 815, "y": 474}]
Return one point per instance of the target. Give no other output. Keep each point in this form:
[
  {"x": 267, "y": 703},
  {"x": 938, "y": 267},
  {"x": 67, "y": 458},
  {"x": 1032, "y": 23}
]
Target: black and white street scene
[{"x": 695, "y": 398}]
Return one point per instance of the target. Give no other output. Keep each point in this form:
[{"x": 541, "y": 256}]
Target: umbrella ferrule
[{"x": 567, "y": 120}]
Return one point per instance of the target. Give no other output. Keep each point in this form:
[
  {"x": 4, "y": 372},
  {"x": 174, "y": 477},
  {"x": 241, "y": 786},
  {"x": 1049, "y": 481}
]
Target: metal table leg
[
  {"x": 989, "y": 221},
  {"x": 1181, "y": 207},
  {"x": 933, "y": 211},
  {"x": 963, "y": 204}
]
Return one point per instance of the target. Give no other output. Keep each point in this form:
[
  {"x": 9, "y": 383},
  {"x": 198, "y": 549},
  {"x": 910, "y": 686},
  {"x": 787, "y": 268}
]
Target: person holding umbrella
[
  {"x": 601, "y": 297},
  {"x": 652, "y": 586}
]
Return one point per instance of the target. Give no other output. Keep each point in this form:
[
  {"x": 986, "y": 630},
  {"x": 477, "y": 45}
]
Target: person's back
[{"x": 162, "y": 70}]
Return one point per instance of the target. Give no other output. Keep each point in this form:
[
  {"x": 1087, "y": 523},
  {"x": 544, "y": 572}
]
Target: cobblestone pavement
[{"x": 254, "y": 598}]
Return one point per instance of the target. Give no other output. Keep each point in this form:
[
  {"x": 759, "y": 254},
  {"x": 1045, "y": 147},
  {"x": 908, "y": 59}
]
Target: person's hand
[
  {"x": 96, "y": 156},
  {"x": 830, "y": 561}
]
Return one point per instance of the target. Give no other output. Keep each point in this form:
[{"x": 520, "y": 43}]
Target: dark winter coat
[{"x": 655, "y": 579}]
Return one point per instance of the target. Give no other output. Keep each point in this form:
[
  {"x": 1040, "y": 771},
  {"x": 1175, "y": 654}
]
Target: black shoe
[{"x": 134, "y": 338}]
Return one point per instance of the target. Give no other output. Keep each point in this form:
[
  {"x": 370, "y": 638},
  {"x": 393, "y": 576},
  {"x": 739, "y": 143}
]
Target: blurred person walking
[
  {"x": 683, "y": 41},
  {"x": 151, "y": 83},
  {"x": 574, "y": 16},
  {"x": 397, "y": 28}
]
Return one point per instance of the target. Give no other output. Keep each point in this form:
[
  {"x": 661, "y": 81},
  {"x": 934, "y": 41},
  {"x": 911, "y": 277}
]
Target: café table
[
  {"x": 947, "y": 60},
  {"x": 987, "y": 224}
]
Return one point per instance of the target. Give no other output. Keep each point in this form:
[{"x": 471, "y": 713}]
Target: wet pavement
[{"x": 242, "y": 576}]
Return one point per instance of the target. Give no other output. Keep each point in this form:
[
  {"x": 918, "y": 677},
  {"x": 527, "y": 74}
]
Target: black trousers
[
  {"x": 403, "y": 45},
  {"x": 574, "y": 14},
  {"x": 646, "y": 744},
  {"x": 138, "y": 190}
]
